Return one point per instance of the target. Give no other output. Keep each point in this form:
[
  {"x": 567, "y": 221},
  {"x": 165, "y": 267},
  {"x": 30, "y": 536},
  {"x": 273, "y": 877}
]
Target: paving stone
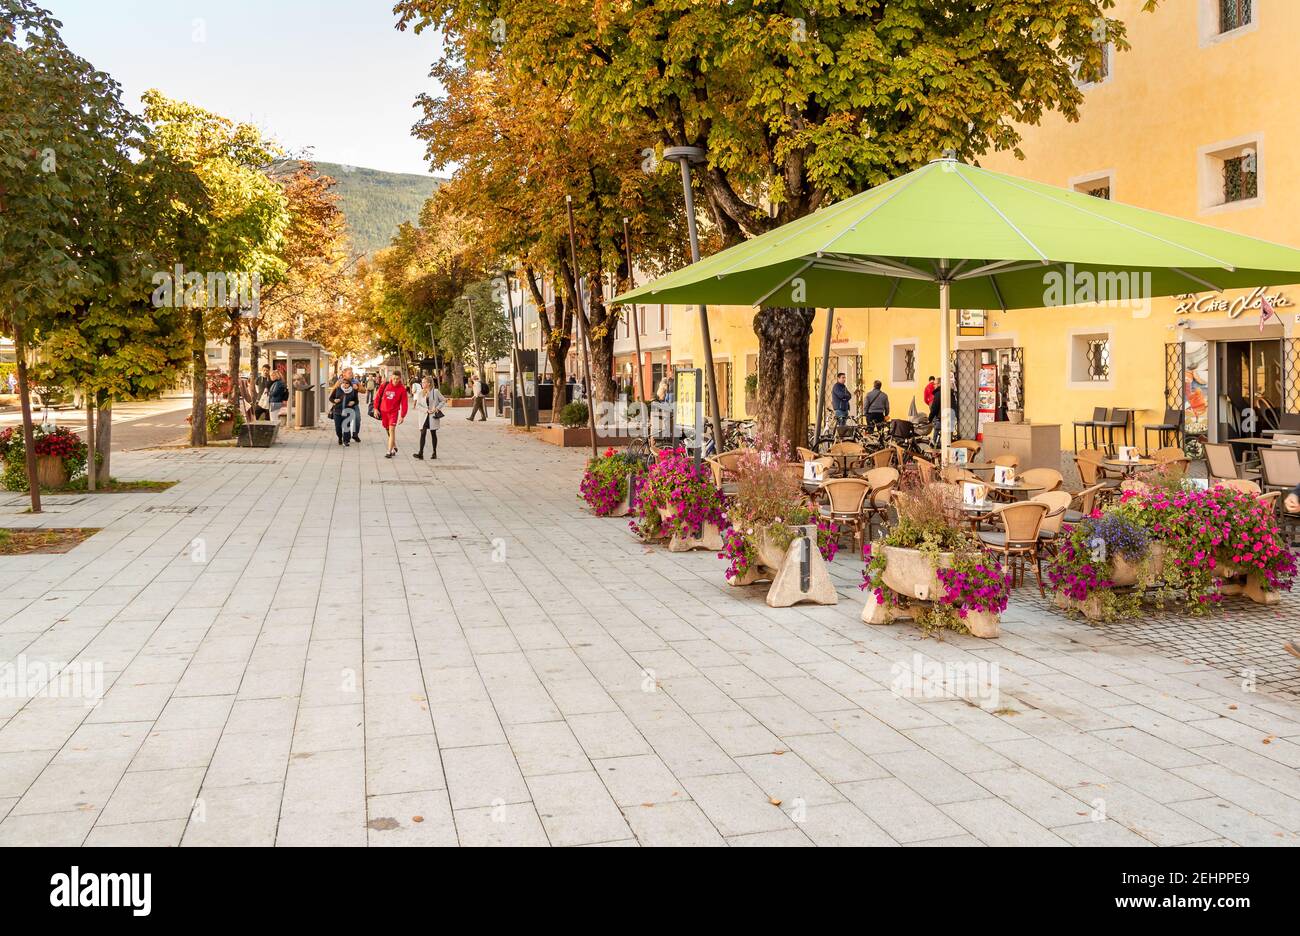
[
  {"x": 736, "y": 805},
  {"x": 421, "y": 818},
  {"x": 576, "y": 809},
  {"x": 675, "y": 824},
  {"x": 483, "y": 776},
  {"x": 513, "y": 824},
  {"x": 903, "y": 813}
]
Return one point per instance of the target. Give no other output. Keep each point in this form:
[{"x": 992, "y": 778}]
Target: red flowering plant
[
  {"x": 59, "y": 442},
  {"x": 677, "y": 498},
  {"x": 767, "y": 509},
  {"x": 605, "y": 482}
]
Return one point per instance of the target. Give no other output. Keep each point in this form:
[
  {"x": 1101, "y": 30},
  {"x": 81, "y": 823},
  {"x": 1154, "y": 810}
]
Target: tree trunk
[
  {"x": 104, "y": 438},
  {"x": 603, "y": 334},
  {"x": 236, "y": 328},
  {"x": 29, "y": 433},
  {"x": 783, "y": 335},
  {"x": 91, "y": 474},
  {"x": 199, "y": 374},
  {"x": 457, "y": 375}
]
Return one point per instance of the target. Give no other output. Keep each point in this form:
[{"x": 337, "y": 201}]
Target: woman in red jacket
[{"x": 392, "y": 409}]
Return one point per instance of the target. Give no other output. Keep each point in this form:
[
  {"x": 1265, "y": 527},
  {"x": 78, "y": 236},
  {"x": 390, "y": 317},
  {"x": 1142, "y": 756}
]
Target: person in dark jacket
[
  {"x": 841, "y": 397},
  {"x": 346, "y": 410},
  {"x": 936, "y": 413},
  {"x": 277, "y": 394},
  {"x": 876, "y": 405}
]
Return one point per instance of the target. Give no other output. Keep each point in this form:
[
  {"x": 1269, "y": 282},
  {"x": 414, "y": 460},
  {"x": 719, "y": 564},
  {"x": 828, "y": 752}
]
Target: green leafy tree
[
  {"x": 245, "y": 219},
  {"x": 64, "y": 138},
  {"x": 482, "y": 340},
  {"x": 797, "y": 104}
]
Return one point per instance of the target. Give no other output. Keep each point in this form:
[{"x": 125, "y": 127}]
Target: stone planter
[
  {"x": 51, "y": 472},
  {"x": 984, "y": 624},
  {"x": 710, "y": 538},
  {"x": 770, "y": 557},
  {"x": 1258, "y": 592},
  {"x": 1089, "y": 607},
  {"x": 623, "y": 507},
  {"x": 224, "y": 431},
  {"x": 912, "y": 573}
]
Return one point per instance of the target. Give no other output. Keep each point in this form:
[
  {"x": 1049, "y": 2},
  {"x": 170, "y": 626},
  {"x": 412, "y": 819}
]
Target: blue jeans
[{"x": 841, "y": 416}]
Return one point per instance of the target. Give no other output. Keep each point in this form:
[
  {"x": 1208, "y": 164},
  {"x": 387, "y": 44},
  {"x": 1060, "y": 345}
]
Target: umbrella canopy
[
  {"x": 999, "y": 241},
  {"x": 951, "y": 234}
]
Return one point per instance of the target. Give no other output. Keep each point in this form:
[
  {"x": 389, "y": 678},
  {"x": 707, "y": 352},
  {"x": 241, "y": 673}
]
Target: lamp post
[
  {"x": 473, "y": 334},
  {"x": 636, "y": 323},
  {"x": 686, "y": 156},
  {"x": 517, "y": 338}
]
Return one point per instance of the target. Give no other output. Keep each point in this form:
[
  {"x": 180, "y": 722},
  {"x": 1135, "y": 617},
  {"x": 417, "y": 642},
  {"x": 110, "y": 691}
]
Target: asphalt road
[{"x": 135, "y": 425}]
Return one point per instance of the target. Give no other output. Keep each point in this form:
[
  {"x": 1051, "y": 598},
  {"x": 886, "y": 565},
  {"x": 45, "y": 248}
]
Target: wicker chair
[
  {"x": 1058, "y": 502},
  {"x": 1007, "y": 461},
  {"x": 1243, "y": 485},
  {"x": 844, "y": 505},
  {"x": 955, "y": 474},
  {"x": 1049, "y": 479},
  {"x": 1018, "y": 538},
  {"x": 882, "y": 459},
  {"x": 848, "y": 448},
  {"x": 883, "y": 482},
  {"x": 1170, "y": 453},
  {"x": 806, "y": 454},
  {"x": 1083, "y": 503},
  {"x": 970, "y": 445},
  {"x": 1221, "y": 464},
  {"x": 926, "y": 470}
]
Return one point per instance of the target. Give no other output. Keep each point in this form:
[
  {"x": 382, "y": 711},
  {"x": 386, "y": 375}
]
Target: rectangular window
[
  {"x": 1234, "y": 14},
  {"x": 1090, "y": 361},
  {"x": 903, "y": 370}
]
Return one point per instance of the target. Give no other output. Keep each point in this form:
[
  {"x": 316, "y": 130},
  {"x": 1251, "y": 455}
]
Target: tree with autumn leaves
[
  {"x": 797, "y": 105},
  {"x": 517, "y": 153}
]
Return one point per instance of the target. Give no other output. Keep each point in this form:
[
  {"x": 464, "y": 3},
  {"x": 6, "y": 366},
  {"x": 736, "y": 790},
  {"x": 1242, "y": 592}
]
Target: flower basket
[
  {"x": 51, "y": 472},
  {"x": 680, "y": 503}
]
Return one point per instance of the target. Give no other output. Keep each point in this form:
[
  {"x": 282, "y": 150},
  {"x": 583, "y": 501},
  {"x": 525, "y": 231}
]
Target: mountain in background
[{"x": 377, "y": 202}]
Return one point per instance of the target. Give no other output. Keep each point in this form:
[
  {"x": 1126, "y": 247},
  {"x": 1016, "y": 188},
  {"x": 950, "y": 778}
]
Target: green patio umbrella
[{"x": 951, "y": 234}]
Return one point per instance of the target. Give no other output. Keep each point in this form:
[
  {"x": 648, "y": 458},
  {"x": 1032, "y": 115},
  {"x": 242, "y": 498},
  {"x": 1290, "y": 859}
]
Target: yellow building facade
[{"x": 1195, "y": 120}]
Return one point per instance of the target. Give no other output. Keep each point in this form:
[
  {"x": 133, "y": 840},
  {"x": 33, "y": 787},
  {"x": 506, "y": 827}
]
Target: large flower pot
[
  {"x": 984, "y": 624},
  {"x": 51, "y": 472},
  {"x": 623, "y": 507},
  {"x": 1090, "y": 607},
  {"x": 912, "y": 574},
  {"x": 225, "y": 430},
  {"x": 710, "y": 538},
  {"x": 1259, "y": 592},
  {"x": 1125, "y": 572}
]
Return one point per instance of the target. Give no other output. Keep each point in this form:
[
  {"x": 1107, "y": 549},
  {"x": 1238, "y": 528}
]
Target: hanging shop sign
[{"x": 1234, "y": 307}]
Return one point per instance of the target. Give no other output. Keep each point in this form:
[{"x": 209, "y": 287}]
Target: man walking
[
  {"x": 480, "y": 399},
  {"x": 876, "y": 405}
]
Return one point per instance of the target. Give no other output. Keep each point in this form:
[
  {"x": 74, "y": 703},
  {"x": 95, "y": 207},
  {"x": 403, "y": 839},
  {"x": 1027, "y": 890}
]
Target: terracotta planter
[
  {"x": 1260, "y": 593},
  {"x": 51, "y": 472},
  {"x": 983, "y": 624},
  {"x": 912, "y": 574},
  {"x": 224, "y": 431},
  {"x": 1123, "y": 572}
]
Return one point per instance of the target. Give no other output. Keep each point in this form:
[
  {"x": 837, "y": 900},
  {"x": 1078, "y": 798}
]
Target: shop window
[
  {"x": 903, "y": 370},
  {"x": 1090, "y": 361}
]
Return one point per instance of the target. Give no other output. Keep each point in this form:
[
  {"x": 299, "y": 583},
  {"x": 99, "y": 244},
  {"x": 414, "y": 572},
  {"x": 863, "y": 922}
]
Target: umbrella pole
[
  {"x": 826, "y": 364},
  {"x": 945, "y": 406}
]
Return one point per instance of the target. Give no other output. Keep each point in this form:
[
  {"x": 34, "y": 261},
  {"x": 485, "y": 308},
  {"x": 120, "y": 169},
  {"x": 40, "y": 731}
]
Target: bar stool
[
  {"x": 1173, "y": 423},
  {"x": 1098, "y": 414},
  {"x": 1119, "y": 418}
]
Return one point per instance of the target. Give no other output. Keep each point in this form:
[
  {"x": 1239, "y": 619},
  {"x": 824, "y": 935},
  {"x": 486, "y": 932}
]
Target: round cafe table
[
  {"x": 975, "y": 514},
  {"x": 1014, "y": 490},
  {"x": 1129, "y": 468}
]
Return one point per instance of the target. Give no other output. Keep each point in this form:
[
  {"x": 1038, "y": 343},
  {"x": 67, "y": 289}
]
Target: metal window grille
[
  {"x": 1240, "y": 181},
  {"x": 1097, "y": 356},
  {"x": 1175, "y": 370},
  {"x": 1291, "y": 375},
  {"x": 1233, "y": 14},
  {"x": 1100, "y": 191},
  {"x": 909, "y": 365}
]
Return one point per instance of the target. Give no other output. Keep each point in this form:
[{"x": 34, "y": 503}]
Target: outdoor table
[
  {"x": 1130, "y": 468},
  {"x": 842, "y": 460},
  {"x": 977, "y": 466},
  {"x": 1266, "y": 443},
  {"x": 975, "y": 514},
  {"x": 1016, "y": 488}
]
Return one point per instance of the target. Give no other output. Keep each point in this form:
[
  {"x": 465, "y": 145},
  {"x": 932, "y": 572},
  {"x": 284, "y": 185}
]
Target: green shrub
[{"x": 574, "y": 416}]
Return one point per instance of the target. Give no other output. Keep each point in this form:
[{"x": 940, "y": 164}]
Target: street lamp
[{"x": 686, "y": 156}]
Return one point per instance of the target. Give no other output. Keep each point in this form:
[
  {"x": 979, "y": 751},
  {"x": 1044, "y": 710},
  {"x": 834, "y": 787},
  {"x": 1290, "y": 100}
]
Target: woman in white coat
[{"x": 428, "y": 402}]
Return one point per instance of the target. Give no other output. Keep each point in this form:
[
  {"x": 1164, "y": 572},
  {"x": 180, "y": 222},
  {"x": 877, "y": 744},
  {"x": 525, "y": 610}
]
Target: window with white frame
[
  {"x": 1225, "y": 20},
  {"x": 1231, "y": 174},
  {"x": 1090, "y": 358},
  {"x": 903, "y": 370}
]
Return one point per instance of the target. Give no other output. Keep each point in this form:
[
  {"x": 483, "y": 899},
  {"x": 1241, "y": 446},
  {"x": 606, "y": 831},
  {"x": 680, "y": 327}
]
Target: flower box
[
  {"x": 256, "y": 435},
  {"x": 51, "y": 472}
]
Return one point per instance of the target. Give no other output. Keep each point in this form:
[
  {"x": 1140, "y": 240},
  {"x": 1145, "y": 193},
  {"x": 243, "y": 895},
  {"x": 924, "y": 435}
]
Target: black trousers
[{"x": 428, "y": 427}]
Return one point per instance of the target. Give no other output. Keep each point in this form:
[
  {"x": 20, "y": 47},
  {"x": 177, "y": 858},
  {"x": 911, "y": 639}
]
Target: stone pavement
[{"x": 316, "y": 645}]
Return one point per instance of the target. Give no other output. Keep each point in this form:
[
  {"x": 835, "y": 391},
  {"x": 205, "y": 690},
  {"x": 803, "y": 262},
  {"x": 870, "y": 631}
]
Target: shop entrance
[{"x": 1249, "y": 387}]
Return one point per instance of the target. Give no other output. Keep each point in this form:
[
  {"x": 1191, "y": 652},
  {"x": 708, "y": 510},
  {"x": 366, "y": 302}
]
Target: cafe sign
[{"x": 1234, "y": 308}]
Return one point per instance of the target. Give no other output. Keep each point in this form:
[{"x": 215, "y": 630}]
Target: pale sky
[{"x": 332, "y": 75}]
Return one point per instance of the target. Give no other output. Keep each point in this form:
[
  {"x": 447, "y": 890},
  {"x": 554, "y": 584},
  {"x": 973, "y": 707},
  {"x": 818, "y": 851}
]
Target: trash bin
[{"x": 304, "y": 408}]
